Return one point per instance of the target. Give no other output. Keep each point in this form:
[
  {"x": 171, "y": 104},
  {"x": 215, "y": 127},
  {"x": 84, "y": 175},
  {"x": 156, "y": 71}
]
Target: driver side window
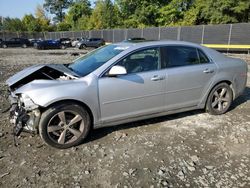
[{"x": 142, "y": 61}]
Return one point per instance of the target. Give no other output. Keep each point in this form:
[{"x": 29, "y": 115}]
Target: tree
[
  {"x": 62, "y": 26},
  {"x": 217, "y": 12},
  {"x": 78, "y": 12},
  {"x": 174, "y": 12},
  {"x": 57, "y": 7},
  {"x": 13, "y": 24},
  {"x": 42, "y": 18},
  {"x": 31, "y": 23},
  {"x": 140, "y": 13},
  {"x": 1, "y": 22},
  {"x": 104, "y": 15}
]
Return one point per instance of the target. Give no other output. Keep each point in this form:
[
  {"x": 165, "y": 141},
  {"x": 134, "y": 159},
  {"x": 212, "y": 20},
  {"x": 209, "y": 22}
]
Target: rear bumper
[{"x": 240, "y": 83}]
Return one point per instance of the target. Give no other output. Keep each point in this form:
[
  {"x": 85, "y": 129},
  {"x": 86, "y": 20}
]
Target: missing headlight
[{"x": 26, "y": 102}]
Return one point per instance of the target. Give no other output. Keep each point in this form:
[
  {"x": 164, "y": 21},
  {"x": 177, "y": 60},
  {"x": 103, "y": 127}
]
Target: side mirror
[{"x": 117, "y": 70}]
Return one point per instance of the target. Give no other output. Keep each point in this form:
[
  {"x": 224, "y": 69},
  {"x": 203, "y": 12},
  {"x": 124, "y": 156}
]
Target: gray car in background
[
  {"x": 91, "y": 42},
  {"x": 121, "y": 83}
]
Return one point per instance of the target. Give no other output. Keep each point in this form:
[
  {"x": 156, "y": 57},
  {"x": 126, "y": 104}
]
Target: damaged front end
[{"x": 24, "y": 114}]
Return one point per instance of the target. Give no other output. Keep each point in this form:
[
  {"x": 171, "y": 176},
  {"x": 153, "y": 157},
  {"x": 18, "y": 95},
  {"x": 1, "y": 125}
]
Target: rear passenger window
[
  {"x": 176, "y": 56},
  {"x": 203, "y": 57}
]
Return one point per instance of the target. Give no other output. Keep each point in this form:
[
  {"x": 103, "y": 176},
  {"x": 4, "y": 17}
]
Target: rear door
[
  {"x": 139, "y": 92},
  {"x": 189, "y": 74}
]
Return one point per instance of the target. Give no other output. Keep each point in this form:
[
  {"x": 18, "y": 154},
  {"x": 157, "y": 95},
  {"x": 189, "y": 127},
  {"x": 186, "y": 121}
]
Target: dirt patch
[{"x": 192, "y": 149}]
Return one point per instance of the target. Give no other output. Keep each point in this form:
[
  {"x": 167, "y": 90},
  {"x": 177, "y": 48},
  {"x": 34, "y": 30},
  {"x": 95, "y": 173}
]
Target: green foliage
[
  {"x": 104, "y": 15},
  {"x": 57, "y": 7},
  {"x": 31, "y": 23},
  {"x": 140, "y": 13},
  {"x": 78, "y": 14},
  {"x": 13, "y": 24},
  {"x": 108, "y": 14},
  {"x": 62, "y": 26},
  {"x": 1, "y": 23},
  {"x": 218, "y": 12},
  {"x": 173, "y": 12},
  {"x": 42, "y": 19}
]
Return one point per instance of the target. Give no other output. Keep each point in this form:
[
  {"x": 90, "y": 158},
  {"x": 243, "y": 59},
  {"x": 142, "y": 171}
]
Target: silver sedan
[{"x": 121, "y": 83}]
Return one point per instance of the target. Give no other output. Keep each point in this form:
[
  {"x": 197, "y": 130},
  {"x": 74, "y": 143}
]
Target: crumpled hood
[
  {"x": 22, "y": 74},
  {"x": 49, "y": 72},
  {"x": 44, "y": 92}
]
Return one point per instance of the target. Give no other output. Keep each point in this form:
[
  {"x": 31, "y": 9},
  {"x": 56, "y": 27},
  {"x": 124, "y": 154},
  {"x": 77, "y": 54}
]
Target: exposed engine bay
[{"x": 41, "y": 72}]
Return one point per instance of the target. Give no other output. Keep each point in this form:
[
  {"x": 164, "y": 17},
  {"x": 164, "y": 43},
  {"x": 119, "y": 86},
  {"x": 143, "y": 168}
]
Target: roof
[{"x": 160, "y": 42}]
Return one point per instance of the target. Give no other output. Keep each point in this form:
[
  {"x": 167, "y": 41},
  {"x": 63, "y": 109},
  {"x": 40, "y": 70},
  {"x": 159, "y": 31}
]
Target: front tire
[
  {"x": 64, "y": 125},
  {"x": 219, "y": 99}
]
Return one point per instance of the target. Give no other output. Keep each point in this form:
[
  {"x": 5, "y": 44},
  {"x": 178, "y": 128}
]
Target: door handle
[
  {"x": 208, "y": 71},
  {"x": 157, "y": 78}
]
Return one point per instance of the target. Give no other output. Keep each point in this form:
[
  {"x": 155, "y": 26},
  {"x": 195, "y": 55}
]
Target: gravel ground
[{"x": 192, "y": 149}]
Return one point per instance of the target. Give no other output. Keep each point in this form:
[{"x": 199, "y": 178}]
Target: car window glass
[
  {"x": 203, "y": 57},
  {"x": 175, "y": 56},
  {"x": 90, "y": 62},
  {"x": 141, "y": 61}
]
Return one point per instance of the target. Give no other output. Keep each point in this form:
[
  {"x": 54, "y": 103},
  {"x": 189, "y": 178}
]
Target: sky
[{"x": 18, "y": 8}]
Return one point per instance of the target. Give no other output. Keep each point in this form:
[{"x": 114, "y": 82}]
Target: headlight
[{"x": 27, "y": 102}]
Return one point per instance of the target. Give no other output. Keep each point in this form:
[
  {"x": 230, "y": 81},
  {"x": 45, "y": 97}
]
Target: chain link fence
[{"x": 201, "y": 34}]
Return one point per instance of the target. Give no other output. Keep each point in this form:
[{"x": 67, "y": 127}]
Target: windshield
[{"x": 93, "y": 60}]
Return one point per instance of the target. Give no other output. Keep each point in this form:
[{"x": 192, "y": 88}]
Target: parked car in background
[
  {"x": 65, "y": 41},
  {"x": 75, "y": 41},
  {"x": 135, "y": 39},
  {"x": 121, "y": 83},
  {"x": 91, "y": 42},
  {"x": 50, "y": 44},
  {"x": 33, "y": 42},
  {"x": 16, "y": 42}
]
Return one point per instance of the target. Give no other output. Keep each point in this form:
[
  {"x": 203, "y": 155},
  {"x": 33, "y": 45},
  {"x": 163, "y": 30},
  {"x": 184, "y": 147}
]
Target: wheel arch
[
  {"x": 82, "y": 104},
  {"x": 230, "y": 83},
  {"x": 217, "y": 83}
]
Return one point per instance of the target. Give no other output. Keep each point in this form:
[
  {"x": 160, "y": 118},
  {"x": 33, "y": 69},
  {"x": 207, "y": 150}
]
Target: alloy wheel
[
  {"x": 221, "y": 99},
  {"x": 65, "y": 127}
]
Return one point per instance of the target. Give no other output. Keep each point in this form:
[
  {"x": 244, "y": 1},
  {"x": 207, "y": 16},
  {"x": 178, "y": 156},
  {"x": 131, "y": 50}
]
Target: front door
[{"x": 139, "y": 92}]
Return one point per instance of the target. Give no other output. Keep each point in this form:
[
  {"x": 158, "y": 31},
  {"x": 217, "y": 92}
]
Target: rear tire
[
  {"x": 64, "y": 125},
  {"x": 83, "y": 46},
  {"x": 219, "y": 99}
]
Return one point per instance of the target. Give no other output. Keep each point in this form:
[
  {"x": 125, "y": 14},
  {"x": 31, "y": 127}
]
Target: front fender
[{"x": 46, "y": 92}]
